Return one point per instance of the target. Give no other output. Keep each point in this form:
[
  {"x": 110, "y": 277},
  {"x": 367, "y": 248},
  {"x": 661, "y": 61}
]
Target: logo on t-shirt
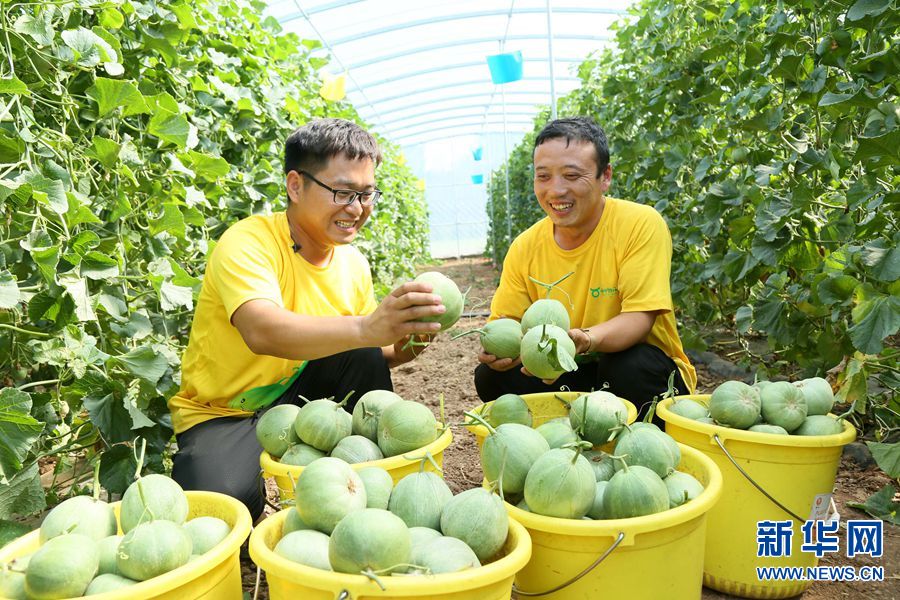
[{"x": 601, "y": 291}]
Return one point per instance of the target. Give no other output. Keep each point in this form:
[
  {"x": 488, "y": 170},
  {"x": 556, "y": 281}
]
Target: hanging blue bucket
[
  {"x": 478, "y": 178},
  {"x": 505, "y": 67},
  {"x": 476, "y": 153}
]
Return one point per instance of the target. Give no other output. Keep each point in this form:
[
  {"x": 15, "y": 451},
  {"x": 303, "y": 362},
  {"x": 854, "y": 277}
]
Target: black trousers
[
  {"x": 636, "y": 374},
  {"x": 222, "y": 455}
]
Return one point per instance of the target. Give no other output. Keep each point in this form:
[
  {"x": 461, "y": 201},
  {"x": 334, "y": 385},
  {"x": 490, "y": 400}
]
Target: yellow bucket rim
[
  {"x": 469, "y": 579},
  {"x": 171, "y": 581},
  {"x": 753, "y": 437},
  {"x": 273, "y": 467},
  {"x": 480, "y": 430},
  {"x": 634, "y": 525}
]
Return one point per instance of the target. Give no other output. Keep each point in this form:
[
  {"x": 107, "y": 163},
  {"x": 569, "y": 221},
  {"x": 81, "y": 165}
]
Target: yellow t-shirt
[
  {"x": 254, "y": 259},
  {"x": 624, "y": 266}
]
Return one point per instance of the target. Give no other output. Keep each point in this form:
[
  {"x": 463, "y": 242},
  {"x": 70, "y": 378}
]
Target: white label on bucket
[{"x": 824, "y": 509}]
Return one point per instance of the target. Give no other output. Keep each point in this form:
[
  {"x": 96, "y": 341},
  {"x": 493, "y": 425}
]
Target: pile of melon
[
  {"x": 382, "y": 424},
  {"x": 82, "y": 553},
  {"x": 360, "y": 523},
  {"x": 774, "y": 407},
  {"x": 554, "y": 470}
]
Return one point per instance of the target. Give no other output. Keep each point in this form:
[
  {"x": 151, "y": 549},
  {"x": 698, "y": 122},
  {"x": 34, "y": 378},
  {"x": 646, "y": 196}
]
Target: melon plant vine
[
  {"x": 768, "y": 135},
  {"x": 132, "y": 134}
]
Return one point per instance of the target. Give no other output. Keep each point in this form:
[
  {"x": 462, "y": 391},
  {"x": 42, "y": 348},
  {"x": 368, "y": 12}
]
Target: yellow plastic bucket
[
  {"x": 655, "y": 557},
  {"x": 795, "y": 470},
  {"x": 289, "y": 580},
  {"x": 544, "y": 407},
  {"x": 399, "y": 467},
  {"x": 216, "y": 575}
]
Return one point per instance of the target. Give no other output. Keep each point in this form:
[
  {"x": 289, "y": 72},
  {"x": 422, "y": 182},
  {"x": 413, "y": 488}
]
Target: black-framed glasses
[{"x": 347, "y": 197}]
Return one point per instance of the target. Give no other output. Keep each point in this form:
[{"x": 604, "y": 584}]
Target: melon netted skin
[
  {"x": 63, "y": 567},
  {"x": 370, "y": 540}
]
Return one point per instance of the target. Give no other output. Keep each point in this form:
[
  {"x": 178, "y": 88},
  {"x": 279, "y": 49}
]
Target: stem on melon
[
  {"x": 480, "y": 421},
  {"x": 577, "y": 448},
  {"x": 565, "y": 402},
  {"x": 465, "y": 333},
  {"x": 96, "y": 484},
  {"x": 372, "y": 575},
  {"x": 140, "y": 459},
  {"x": 550, "y": 286},
  {"x": 344, "y": 401},
  {"x": 620, "y": 458}
]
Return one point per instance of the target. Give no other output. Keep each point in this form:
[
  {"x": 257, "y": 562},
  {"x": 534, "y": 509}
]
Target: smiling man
[
  {"x": 618, "y": 296},
  {"x": 287, "y": 309}
]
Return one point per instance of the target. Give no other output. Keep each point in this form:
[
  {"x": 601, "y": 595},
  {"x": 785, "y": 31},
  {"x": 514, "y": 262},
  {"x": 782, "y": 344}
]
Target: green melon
[
  {"x": 508, "y": 408},
  {"x": 545, "y": 311},
  {"x": 635, "y": 492},
  {"x": 558, "y": 432},
  {"x": 784, "y": 405},
  {"x": 275, "y": 429},
  {"x": 419, "y": 498},
  {"x": 63, "y": 567},
  {"x": 603, "y": 464},
  {"x": 355, "y": 449},
  {"x": 766, "y": 428},
  {"x": 372, "y": 540},
  {"x": 293, "y": 522},
  {"x": 597, "y": 511},
  {"x": 451, "y": 298},
  {"x": 649, "y": 448},
  {"x": 406, "y": 426},
  {"x": 206, "y": 533},
  {"x": 820, "y": 425},
  {"x": 153, "y": 548},
  {"x": 511, "y": 449},
  {"x": 501, "y": 338},
  {"x": 327, "y": 490},
  {"x": 368, "y": 411},
  {"x": 689, "y": 409},
  {"x": 379, "y": 484},
  {"x": 548, "y": 352},
  {"x": 109, "y": 551},
  {"x": 152, "y": 497},
  {"x": 560, "y": 483},
  {"x": 108, "y": 582},
  {"x": 12, "y": 578},
  {"x": 682, "y": 487},
  {"x": 478, "y": 518},
  {"x": 445, "y": 555},
  {"x": 81, "y": 514},
  {"x": 735, "y": 404},
  {"x": 818, "y": 395},
  {"x": 594, "y": 416},
  {"x": 300, "y": 455},
  {"x": 306, "y": 547},
  {"x": 323, "y": 423}
]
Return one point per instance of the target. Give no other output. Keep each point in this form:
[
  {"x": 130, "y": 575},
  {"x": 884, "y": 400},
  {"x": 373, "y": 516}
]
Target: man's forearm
[
  {"x": 621, "y": 332},
  {"x": 279, "y": 332}
]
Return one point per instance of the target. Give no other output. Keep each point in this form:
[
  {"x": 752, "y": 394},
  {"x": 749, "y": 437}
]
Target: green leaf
[
  {"x": 106, "y": 151},
  {"x": 111, "y": 94},
  {"x": 743, "y": 318},
  {"x": 887, "y": 146},
  {"x": 89, "y": 48},
  {"x": 881, "y": 505},
  {"x": 883, "y": 260},
  {"x": 172, "y": 296},
  {"x": 145, "y": 363},
  {"x": 11, "y": 530},
  {"x": 171, "y": 221},
  {"x": 108, "y": 412},
  {"x": 9, "y": 290},
  {"x": 95, "y": 265},
  {"x": 111, "y": 18},
  {"x": 23, "y": 494},
  {"x": 48, "y": 191},
  {"x": 875, "y": 317},
  {"x": 887, "y": 456},
  {"x": 867, "y": 8},
  {"x": 836, "y": 289},
  {"x": 206, "y": 166},
  {"x": 77, "y": 288},
  {"x": 13, "y": 86},
  {"x": 170, "y": 128},
  {"x": 18, "y": 431},
  {"x": 40, "y": 28},
  {"x": 117, "y": 468}
]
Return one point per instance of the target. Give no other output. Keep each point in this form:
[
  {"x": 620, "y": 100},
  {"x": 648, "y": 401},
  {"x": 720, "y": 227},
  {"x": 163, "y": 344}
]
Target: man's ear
[
  {"x": 294, "y": 185},
  {"x": 606, "y": 178}
]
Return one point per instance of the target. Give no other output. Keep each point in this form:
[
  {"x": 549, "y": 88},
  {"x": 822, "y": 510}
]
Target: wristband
[{"x": 590, "y": 340}]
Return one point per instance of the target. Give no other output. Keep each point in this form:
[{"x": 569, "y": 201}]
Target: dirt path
[{"x": 446, "y": 367}]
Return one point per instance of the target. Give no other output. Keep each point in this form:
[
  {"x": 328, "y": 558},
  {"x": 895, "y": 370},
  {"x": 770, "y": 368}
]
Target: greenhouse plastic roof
[{"x": 416, "y": 70}]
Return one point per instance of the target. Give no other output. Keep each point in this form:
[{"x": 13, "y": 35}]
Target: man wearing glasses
[{"x": 287, "y": 309}]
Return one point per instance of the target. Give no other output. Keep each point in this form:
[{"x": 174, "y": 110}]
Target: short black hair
[
  {"x": 310, "y": 147},
  {"x": 582, "y": 129}
]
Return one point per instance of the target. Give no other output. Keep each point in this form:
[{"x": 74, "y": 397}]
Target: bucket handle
[
  {"x": 344, "y": 595},
  {"x": 599, "y": 560},
  {"x": 756, "y": 485}
]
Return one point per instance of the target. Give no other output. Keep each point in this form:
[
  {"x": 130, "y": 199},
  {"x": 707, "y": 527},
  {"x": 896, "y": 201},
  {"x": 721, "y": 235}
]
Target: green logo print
[{"x": 599, "y": 291}]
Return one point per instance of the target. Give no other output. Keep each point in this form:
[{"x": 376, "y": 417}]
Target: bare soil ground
[{"x": 446, "y": 367}]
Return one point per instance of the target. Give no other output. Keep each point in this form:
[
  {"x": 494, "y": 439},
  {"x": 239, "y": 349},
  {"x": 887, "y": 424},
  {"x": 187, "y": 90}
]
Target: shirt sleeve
[
  {"x": 243, "y": 268},
  {"x": 367, "y": 303},
  {"x": 511, "y": 298},
  {"x": 646, "y": 266}
]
